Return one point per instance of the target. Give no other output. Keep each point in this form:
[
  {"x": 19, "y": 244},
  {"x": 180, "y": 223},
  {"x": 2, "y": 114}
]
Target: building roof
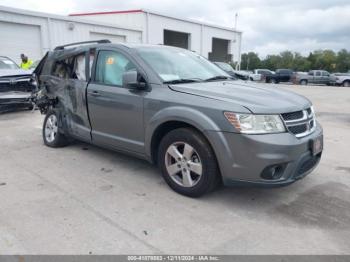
[
  {"x": 155, "y": 13},
  {"x": 63, "y": 18}
]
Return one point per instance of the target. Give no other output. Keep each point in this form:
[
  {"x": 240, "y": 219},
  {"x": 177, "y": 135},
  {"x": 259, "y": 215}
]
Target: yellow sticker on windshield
[{"x": 110, "y": 61}]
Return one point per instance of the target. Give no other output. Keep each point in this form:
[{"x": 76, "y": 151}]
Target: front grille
[
  {"x": 293, "y": 115},
  {"x": 300, "y": 123},
  {"x": 14, "y": 84},
  {"x": 298, "y": 129}
]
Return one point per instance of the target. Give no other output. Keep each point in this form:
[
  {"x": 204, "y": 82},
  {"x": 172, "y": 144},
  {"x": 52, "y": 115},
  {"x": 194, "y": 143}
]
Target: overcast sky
[{"x": 269, "y": 26}]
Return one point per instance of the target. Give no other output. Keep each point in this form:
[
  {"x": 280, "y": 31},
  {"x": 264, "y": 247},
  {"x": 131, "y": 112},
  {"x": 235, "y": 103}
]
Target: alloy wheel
[
  {"x": 51, "y": 128},
  {"x": 183, "y": 164}
]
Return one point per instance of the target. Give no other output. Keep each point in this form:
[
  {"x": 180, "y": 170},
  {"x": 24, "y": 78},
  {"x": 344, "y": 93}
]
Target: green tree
[
  {"x": 343, "y": 61},
  {"x": 250, "y": 61}
]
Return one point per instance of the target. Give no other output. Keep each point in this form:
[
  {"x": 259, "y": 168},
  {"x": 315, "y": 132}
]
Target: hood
[
  {"x": 14, "y": 72},
  {"x": 258, "y": 98}
]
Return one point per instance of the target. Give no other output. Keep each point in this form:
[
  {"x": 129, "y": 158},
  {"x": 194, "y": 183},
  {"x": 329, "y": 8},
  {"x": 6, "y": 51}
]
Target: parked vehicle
[
  {"x": 342, "y": 79},
  {"x": 281, "y": 75},
  {"x": 229, "y": 70},
  {"x": 263, "y": 73},
  {"x": 196, "y": 123},
  {"x": 16, "y": 86},
  {"x": 253, "y": 76},
  {"x": 314, "y": 77}
]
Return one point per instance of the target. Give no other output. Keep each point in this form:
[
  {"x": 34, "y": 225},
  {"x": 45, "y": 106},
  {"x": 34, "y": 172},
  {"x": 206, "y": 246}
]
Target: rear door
[
  {"x": 116, "y": 113},
  {"x": 325, "y": 77},
  {"x": 317, "y": 77},
  {"x": 76, "y": 90}
]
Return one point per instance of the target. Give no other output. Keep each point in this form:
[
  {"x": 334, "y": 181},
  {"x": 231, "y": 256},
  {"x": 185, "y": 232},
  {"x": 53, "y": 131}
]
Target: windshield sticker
[{"x": 110, "y": 61}]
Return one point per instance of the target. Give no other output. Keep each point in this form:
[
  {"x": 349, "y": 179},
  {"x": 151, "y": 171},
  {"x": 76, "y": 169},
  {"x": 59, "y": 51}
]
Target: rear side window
[
  {"x": 110, "y": 67},
  {"x": 318, "y": 73},
  {"x": 62, "y": 69}
]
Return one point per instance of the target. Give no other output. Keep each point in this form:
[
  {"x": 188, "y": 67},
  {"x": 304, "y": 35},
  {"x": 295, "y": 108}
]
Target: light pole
[{"x": 238, "y": 65}]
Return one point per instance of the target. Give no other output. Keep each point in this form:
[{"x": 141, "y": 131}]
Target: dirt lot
[{"x": 82, "y": 199}]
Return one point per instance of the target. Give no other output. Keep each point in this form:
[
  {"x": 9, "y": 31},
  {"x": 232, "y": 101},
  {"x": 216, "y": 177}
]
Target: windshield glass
[
  {"x": 6, "y": 63},
  {"x": 176, "y": 64},
  {"x": 225, "y": 66}
]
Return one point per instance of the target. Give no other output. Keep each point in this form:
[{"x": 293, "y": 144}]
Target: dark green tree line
[{"x": 319, "y": 59}]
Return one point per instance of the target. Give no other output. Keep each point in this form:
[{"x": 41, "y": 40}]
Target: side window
[
  {"x": 324, "y": 73},
  {"x": 61, "y": 69},
  {"x": 318, "y": 73},
  {"x": 110, "y": 67}
]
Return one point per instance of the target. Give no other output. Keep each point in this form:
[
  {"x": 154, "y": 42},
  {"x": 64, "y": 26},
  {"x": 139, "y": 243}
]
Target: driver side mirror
[{"x": 134, "y": 80}]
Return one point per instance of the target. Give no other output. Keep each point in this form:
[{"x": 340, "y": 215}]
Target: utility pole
[{"x": 238, "y": 65}]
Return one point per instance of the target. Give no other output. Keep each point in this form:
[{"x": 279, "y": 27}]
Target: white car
[{"x": 252, "y": 75}]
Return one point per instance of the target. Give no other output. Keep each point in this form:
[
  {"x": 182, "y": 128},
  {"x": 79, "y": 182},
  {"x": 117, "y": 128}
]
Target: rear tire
[
  {"x": 188, "y": 163},
  {"x": 346, "y": 83},
  {"x": 303, "y": 82},
  {"x": 52, "y": 135}
]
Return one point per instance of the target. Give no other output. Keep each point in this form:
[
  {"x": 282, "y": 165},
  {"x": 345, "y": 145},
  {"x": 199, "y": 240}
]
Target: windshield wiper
[
  {"x": 217, "y": 78},
  {"x": 183, "y": 80}
]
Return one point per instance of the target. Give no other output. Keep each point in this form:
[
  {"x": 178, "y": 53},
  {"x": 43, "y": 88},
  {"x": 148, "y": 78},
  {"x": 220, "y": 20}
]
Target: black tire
[
  {"x": 59, "y": 139},
  {"x": 303, "y": 82},
  {"x": 346, "y": 83},
  {"x": 210, "y": 177}
]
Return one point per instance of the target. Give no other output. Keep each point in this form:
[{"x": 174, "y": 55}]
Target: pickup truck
[
  {"x": 174, "y": 108},
  {"x": 342, "y": 79},
  {"x": 314, "y": 77},
  {"x": 281, "y": 75}
]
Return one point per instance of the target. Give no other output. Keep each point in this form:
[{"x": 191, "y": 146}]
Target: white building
[
  {"x": 34, "y": 33},
  {"x": 214, "y": 42}
]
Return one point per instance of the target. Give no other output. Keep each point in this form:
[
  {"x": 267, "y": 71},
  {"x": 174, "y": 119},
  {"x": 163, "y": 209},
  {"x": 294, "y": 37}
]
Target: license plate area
[{"x": 317, "y": 145}]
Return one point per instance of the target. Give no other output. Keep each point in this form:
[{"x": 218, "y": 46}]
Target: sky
[{"x": 269, "y": 26}]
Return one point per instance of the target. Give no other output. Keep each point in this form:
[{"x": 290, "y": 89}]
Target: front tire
[
  {"x": 52, "y": 134},
  {"x": 188, "y": 163},
  {"x": 346, "y": 83}
]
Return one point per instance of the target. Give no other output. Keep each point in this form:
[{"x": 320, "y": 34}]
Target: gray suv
[{"x": 176, "y": 109}]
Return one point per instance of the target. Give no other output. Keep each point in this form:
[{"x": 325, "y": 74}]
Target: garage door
[
  {"x": 177, "y": 39},
  {"x": 20, "y": 38},
  {"x": 111, "y": 37}
]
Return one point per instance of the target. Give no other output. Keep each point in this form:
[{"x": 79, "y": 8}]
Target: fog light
[{"x": 273, "y": 172}]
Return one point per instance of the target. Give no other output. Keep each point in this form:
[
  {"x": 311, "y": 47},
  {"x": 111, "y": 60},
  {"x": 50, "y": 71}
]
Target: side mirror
[{"x": 133, "y": 80}]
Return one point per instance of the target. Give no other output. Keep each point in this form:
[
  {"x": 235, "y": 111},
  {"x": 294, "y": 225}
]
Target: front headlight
[{"x": 256, "y": 124}]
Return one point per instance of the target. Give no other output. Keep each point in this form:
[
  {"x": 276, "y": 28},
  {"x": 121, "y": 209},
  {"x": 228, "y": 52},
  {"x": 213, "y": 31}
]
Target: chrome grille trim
[{"x": 307, "y": 121}]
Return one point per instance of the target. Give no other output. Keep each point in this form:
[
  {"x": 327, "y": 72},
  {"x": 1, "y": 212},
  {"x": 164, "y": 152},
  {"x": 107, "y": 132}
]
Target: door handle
[{"x": 94, "y": 93}]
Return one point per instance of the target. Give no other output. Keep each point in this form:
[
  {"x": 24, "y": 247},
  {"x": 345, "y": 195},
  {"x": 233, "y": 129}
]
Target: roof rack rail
[{"x": 103, "y": 41}]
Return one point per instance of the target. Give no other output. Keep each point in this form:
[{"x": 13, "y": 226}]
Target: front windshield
[
  {"x": 225, "y": 66},
  {"x": 6, "y": 63},
  {"x": 173, "y": 64}
]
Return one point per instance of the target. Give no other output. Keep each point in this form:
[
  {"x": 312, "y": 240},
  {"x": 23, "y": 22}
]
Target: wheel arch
[{"x": 170, "y": 119}]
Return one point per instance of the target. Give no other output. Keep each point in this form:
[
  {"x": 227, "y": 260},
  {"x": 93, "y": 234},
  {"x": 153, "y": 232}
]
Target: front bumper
[
  {"x": 14, "y": 101},
  {"x": 243, "y": 159}
]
